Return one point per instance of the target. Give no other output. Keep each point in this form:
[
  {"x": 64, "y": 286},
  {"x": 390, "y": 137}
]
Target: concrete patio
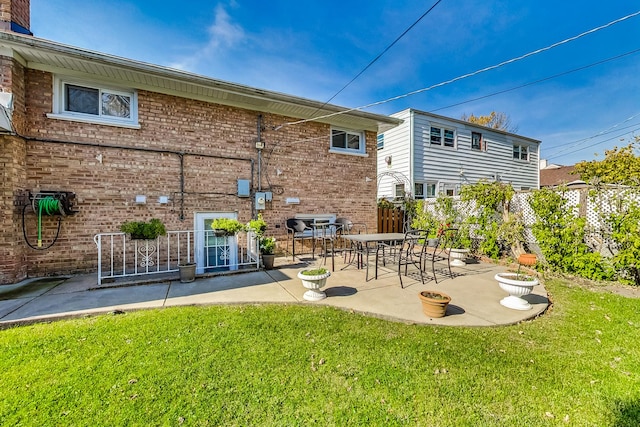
[{"x": 475, "y": 294}]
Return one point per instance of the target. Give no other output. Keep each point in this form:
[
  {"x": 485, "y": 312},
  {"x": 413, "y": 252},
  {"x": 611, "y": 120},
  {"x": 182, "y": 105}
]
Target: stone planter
[
  {"x": 187, "y": 272},
  {"x": 458, "y": 255},
  {"x": 434, "y": 303},
  {"x": 516, "y": 285},
  {"x": 314, "y": 284}
]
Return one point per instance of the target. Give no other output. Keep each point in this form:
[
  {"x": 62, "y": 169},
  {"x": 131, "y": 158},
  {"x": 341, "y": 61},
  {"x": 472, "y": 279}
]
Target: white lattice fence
[{"x": 596, "y": 208}]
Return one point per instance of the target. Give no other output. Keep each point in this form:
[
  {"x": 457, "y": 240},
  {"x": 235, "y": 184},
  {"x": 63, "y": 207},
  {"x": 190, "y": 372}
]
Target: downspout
[
  {"x": 258, "y": 145},
  {"x": 181, "y": 155},
  {"x": 412, "y": 142}
]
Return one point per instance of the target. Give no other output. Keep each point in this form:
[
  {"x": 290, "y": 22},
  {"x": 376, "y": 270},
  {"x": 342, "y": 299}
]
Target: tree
[
  {"x": 495, "y": 120},
  {"x": 620, "y": 166}
]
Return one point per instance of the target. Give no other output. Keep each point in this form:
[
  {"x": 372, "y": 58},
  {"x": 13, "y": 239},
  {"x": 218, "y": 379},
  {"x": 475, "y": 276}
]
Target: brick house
[{"x": 110, "y": 130}]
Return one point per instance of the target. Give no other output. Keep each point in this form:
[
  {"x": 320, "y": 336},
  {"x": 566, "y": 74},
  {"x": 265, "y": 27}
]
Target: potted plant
[
  {"x": 258, "y": 226},
  {"x": 266, "y": 245},
  {"x": 267, "y": 249},
  {"x": 144, "y": 230},
  {"x": 460, "y": 246},
  {"x": 434, "y": 303},
  {"x": 227, "y": 226},
  {"x": 314, "y": 280},
  {"x": 187, "y": 272},
  {"x": 517, "y": 285}
]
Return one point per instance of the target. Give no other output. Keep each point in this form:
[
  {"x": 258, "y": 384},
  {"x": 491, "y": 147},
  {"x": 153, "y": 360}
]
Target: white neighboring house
[{"x": 429, "y": 154}]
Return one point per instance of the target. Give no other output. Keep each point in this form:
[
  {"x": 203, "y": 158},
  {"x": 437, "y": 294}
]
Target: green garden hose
[{"x": 50, "y": 206}]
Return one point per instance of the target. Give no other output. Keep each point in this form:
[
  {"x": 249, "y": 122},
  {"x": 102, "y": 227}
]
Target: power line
[
  {"x": 604, "y": 132},
  {"x": 464, "y": 76},
  {"x": 380, "y": 55},
  {"x": 564, "y": 73},
  {"x": 594, "y": 144}
]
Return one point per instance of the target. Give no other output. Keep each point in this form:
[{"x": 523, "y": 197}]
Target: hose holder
[{"x": 50, "y": 203}]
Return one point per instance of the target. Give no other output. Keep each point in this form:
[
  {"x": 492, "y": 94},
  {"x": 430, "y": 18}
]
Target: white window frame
[
  {"x": 361, "y": 150},
  {"x": 59, "y": 103},
  {"x": 517, "y": 149},
  {"x": 441, "y": 134},
  {"x": 434, "y": 186},
  {"x": 482, "y": 146},
  {"x": 399, "y": 191},
  {"x": 418, "y": 195}
]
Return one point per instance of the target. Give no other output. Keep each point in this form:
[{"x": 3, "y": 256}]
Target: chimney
[{"x": 15, "y": 15}]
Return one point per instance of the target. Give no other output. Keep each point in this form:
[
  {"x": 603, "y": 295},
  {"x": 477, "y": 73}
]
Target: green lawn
[{"x": 577, "y": 365}]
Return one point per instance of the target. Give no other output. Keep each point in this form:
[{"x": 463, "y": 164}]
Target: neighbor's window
[
  {"x": 430, "y": 189},
  {"x": 347, "y": 141},
  {"x": 442, "y": 136},
  {"x": 380, "y": 141},
  {"x": 521, "y": 152},
  {"x": 94, "y": 103},
  {"x": 477, "y": 143},
  {"x": 418, "y": 190}
]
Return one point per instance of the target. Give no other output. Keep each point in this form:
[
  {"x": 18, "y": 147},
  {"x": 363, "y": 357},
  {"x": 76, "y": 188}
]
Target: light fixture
[
  {"x": 141, "y": 199},
  {"x": 163, "y": 200},
  {"x": 388, "y": 160}
]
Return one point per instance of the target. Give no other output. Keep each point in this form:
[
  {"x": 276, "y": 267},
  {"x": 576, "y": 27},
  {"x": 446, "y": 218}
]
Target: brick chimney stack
[{"x": 15, "y": 15}]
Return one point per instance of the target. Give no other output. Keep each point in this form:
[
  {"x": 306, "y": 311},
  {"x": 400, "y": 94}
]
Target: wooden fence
[{"x": 390, "y": 220}]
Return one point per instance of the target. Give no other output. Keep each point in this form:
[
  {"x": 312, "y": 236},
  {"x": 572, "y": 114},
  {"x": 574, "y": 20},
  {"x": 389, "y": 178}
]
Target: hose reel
[{"x": 48, "y": 203}]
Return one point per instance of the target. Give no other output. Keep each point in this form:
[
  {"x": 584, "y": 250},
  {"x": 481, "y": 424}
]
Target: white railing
[{"x": 119, "y": 256}]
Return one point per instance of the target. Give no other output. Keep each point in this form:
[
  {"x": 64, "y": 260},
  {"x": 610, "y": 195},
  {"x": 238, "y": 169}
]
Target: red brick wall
[
  {"x": 17, "y": 11},
  {"x": 106, "y": 180},
  {"x": 13, "y": 155}
]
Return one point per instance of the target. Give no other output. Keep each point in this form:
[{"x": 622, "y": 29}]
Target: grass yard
[{"x": 577, "y": 365}]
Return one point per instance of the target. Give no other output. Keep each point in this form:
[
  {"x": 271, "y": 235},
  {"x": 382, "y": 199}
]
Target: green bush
[
  {"x": 560, "y": 234},
  {"x": 228, "y": 225},
  {"x": 144, "y": 230}
]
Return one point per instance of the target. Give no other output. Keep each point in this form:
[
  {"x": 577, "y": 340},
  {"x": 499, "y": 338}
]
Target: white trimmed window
[
  {"x": 418, "y": 190},
  {"x": 521, "y": 152},
  {"x": 430, "y": 189},
  {"x": 347, "y": 141},
  {"x": 94, "y": 103},
  {"x": 399, "y": 191},
  {"x": 442, "y": 136},
  {"x": 477, "y": 142}
]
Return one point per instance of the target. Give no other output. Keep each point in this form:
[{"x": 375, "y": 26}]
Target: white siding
[
  {"x": 452, "y": 167},
  {"x": 396, "y": 145}
]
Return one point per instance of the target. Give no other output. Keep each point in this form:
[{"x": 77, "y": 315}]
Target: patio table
[{"x": 365, "y": 242}]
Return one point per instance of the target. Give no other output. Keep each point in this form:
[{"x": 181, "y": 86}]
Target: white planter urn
[
  {"x": 458, "y": 255},
  {"x": 314, "y": 284},
  {"x": 516, "y": 288}
]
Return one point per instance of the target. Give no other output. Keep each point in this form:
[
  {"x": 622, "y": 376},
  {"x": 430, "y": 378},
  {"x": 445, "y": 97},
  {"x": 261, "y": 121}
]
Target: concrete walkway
[{"x": 474, "y": 291}]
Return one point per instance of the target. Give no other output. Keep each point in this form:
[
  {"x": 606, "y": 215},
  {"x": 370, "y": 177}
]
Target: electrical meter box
[
  {"x": 243, "y": 188},
  {"x": 261, "y": 200}
]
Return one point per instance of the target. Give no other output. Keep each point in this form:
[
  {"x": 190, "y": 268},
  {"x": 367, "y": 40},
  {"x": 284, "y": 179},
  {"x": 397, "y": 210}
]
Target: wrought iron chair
[
  {"x": 297, "y": 229},
  {"x": 410, "y": 252},
  {"x": 345, "y": 227},
  {"x": 325, "y": 234},
  {"x": 442, "y": 251}
]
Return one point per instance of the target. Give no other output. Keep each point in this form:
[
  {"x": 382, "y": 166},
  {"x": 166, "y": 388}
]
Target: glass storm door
[{"x": 214, "y": 253}]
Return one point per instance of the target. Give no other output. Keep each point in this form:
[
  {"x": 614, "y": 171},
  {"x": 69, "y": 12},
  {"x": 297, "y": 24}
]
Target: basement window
[{"x": 93, "y": 103}]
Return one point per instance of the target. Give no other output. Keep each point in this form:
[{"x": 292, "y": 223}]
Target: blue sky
[{"x": 313, "y": 48}]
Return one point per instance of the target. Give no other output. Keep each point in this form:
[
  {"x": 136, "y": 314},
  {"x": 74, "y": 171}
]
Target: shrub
[{"x": 144, "y": 230}]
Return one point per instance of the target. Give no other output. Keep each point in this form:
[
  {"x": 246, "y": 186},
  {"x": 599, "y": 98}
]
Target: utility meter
[{"x": 261, "y": 200}]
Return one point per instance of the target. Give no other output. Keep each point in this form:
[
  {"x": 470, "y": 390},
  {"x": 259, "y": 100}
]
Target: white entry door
[{"x": 214, "y": 253}]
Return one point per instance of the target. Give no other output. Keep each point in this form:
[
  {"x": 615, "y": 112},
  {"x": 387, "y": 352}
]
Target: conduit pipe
[{"x": 180, "y": 155}]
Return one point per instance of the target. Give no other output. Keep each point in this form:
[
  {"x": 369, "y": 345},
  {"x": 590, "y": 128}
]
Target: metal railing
[{"x": 119, "y": 256}]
